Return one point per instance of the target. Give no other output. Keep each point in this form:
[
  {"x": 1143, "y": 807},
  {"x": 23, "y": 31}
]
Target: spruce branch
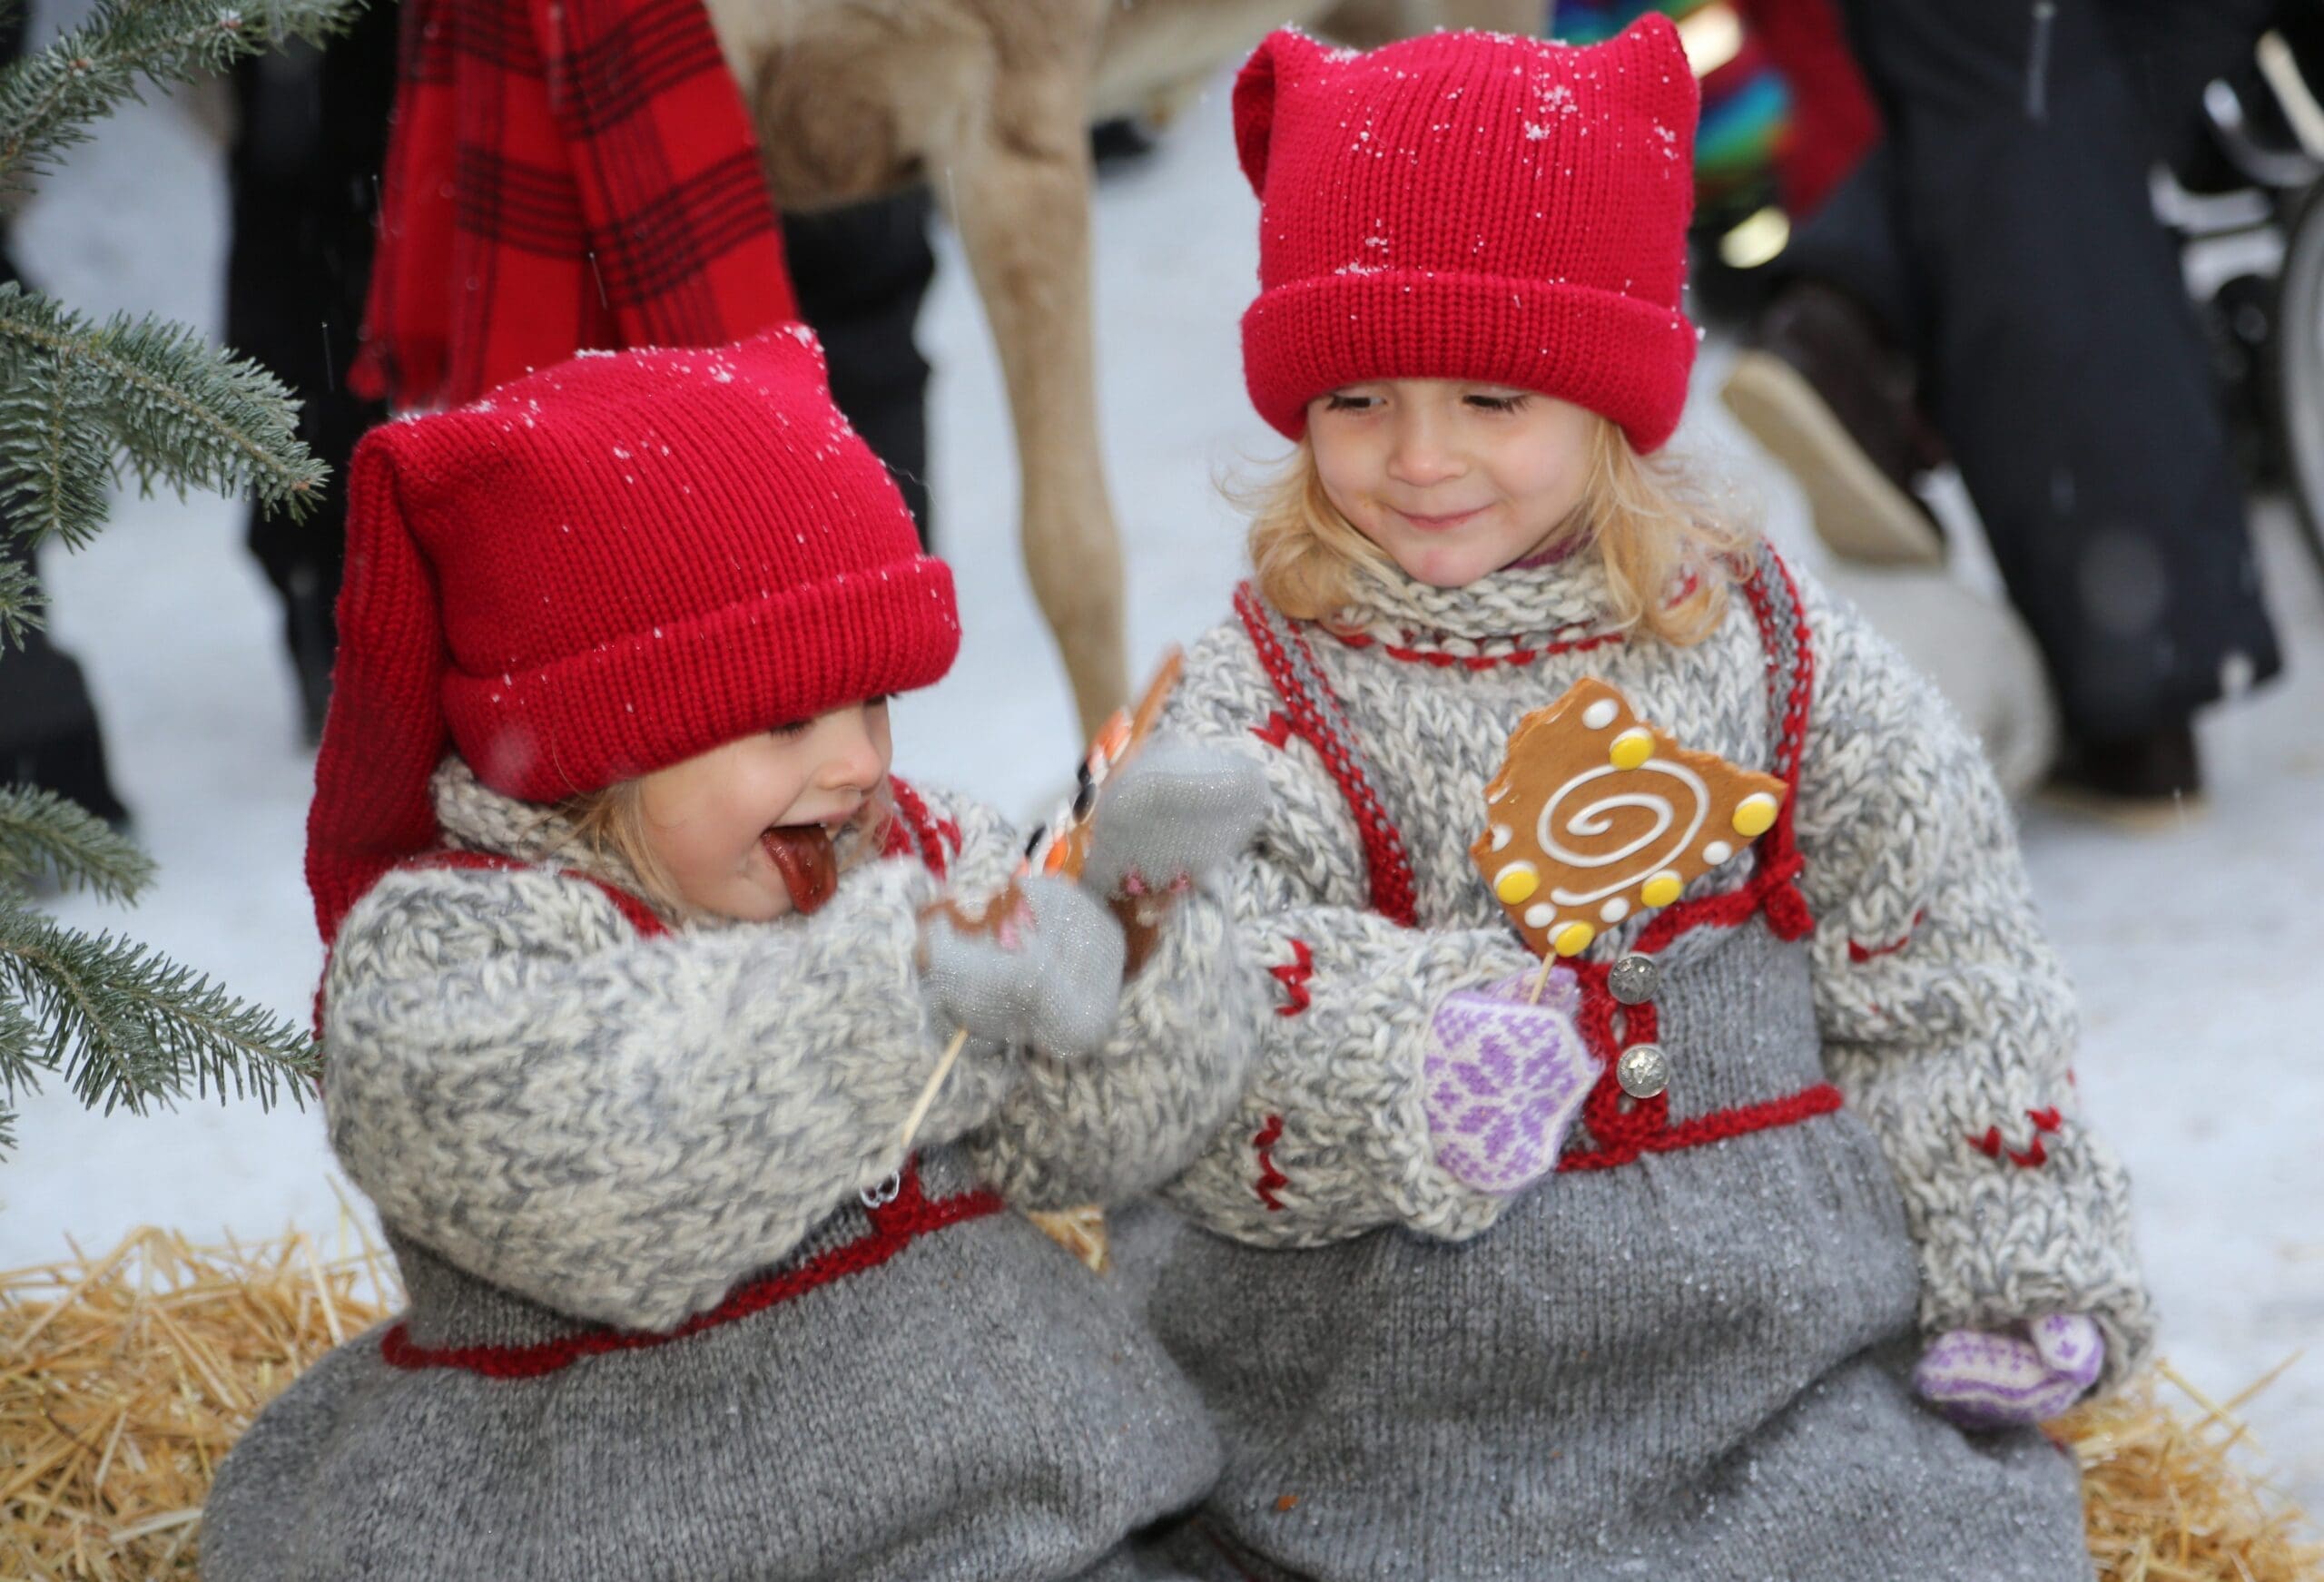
[
  {"x": 129, "y": 1029},
  {"x": 48, "y": 97},
  {"x": 21, "y": 601},
  {"x": 42, "y": 830},
  {"x": 73, "y": 393},
  {"x": 18, "y": 1034}
]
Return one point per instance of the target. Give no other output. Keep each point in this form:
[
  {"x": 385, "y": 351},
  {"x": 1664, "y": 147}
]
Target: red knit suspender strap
[
  {"x": 1320, "y": 718},
  {"x": 917, "y": 830},
  {"x": 895, "y": 1225},
  {"x": 1791, "y": 685},
  {"x": 1623, "y": 1127}
]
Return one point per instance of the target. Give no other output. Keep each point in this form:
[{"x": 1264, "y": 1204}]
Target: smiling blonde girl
[{"x": 1466, "y": 1308}]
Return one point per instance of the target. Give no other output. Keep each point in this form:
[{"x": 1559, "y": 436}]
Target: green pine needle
[
  {"x": 72, "y": 393},
  {"x": 21, "y": 601},
  {"x": 129, "y": 1029},
  {"x": 48, "y": 97},
  {"x": 42, "y": 831}
]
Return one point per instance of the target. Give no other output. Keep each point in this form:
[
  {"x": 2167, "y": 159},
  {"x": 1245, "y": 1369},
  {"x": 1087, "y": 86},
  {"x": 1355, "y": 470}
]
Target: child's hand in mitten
[
  {"x": 1504, "y": 1079},
  {"x": 1170, "y": 815},
  {"x": 1041, "y": 965},
  {"x": 1982, "y": 1378}
]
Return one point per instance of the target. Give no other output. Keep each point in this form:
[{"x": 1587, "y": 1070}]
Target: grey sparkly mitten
[
  {"x": 1176, "y": 812},
  {"x": 1042, "y": 966}
]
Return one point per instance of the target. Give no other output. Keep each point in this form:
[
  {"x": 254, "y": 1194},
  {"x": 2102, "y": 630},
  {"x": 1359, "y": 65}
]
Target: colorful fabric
[
  {"x": 1506, "y": 1079},
  {"x": 1985, "y": 1380},
  {"x": 562, "y": 176},
  {"x": 602, "y": 569},
  {"x": 1472, "y": 206}
]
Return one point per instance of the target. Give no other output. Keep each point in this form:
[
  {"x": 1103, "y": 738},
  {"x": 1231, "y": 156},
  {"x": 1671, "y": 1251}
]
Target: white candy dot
[
  {"x": 1538, "y": 916},
  {"x": 1600, "y": 714},
  {"x": 1716, "y": 852},
  {"x": 1499, "y": 836},
  {"x": 1615, "y": 910}
]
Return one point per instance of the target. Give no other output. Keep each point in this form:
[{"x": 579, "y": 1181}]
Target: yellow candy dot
[
  {"x": 1754, "y": 814},
  {"x": 1631, "y": 748},
  {"x": 1661, "y": 890},
  {"x": 1573, "y": 939},
  {"x": 1516, "y": 883}
]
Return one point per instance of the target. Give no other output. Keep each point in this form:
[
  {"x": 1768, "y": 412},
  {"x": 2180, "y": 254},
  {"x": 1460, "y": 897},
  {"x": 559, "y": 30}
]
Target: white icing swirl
[{"x": 1662, "y": 843}]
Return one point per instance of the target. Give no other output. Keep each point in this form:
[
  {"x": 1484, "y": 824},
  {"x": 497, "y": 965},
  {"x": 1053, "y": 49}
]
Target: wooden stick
[
  {"x": 1541, "y": 978},
  {"x": 935, "y": 1083}
]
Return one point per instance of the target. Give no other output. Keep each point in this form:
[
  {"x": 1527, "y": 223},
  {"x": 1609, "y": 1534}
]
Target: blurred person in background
[{"x": 1995, "y": 263}]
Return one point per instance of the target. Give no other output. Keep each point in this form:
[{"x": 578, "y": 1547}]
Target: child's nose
[
  {"x": 1419, "y": 455},
  {"x": 853, "y": 758}
]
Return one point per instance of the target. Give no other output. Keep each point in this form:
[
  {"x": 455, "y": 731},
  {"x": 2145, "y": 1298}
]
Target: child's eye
[
  {"x": 1485, "y": 403},
  {"x": 1345, "y": 401},
  {"x": 790, "y": 732}
]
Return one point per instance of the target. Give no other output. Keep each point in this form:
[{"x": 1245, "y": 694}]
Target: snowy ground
[{"x": 2197, "y": 950}]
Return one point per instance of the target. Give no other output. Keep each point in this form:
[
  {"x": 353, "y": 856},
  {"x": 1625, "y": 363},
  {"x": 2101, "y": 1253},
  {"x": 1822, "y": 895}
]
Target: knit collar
[
  {"x": 1531, "y": 604},
  {"x": 475, "y": 818}
]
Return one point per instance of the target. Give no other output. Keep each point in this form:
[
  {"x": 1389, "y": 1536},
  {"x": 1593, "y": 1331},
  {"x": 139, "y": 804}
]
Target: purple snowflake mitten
[
  {"x": 1982, "y": 1378},
  {"x": 1504, "y": 1079}
]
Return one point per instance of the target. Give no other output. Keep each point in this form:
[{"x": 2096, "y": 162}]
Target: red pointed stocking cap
[{"x": 602, "y": 569}]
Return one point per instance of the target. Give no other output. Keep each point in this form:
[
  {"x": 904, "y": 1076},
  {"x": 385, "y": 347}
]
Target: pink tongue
[{"x": 802, "y": 855}]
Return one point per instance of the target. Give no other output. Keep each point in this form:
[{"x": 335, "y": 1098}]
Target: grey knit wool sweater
[
  {"x": 679, "y": 1307},
  {"x": 1573, "y": 1377}
]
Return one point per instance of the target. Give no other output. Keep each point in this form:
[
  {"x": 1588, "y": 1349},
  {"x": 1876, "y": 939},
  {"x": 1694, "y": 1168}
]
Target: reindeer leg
[{"x": 1017, "y": 188}]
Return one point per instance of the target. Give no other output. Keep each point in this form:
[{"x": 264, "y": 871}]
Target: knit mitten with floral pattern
[
  {"x": 1982, "y": 1378},
  {"x": 1505, "y": 1078}
]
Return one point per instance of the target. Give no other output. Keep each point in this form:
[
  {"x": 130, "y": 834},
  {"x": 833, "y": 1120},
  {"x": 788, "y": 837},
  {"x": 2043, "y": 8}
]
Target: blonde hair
[
  {"x": 1646, "y": 519},
  {"x": 611, "y": 824}
]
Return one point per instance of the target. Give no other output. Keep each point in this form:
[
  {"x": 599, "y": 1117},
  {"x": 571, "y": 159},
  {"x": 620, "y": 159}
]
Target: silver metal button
[
  {"x": 1643, "y": 1071},
  {"x": 885, "y": 1192},
  {"x": 1633, "y": 979}
]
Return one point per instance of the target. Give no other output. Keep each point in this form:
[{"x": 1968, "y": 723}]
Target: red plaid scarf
[{"x": 562, "y": 176}]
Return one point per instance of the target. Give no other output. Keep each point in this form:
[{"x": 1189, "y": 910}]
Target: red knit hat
[
  {"x": 599, "y": 570},
  {"x": 1472, "y": 206}
]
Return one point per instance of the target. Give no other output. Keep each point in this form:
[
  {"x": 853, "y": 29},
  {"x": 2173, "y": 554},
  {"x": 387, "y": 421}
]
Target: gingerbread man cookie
[{"x": 1596, "y": 813}]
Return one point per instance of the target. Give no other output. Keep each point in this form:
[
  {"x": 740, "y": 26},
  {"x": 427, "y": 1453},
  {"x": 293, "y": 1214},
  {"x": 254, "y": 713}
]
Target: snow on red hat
[
  {"x": 602, "y": 569},
  {"x": 1472, "y": 206}
]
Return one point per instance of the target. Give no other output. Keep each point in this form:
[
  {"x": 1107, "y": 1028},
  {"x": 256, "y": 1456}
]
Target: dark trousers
[{"x": 2005, "y": 231}]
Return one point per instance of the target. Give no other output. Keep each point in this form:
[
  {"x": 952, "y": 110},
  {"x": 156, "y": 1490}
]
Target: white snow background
[{"x": 2199, "y": 950}]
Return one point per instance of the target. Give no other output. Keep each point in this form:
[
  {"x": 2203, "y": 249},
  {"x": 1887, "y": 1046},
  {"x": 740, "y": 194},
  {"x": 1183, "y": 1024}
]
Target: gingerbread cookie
[{"x": 1596, "y": 814}]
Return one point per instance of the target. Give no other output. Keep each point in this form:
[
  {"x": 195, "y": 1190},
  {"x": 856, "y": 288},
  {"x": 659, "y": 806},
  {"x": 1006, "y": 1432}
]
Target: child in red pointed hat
[
  {"x": 640, "y": 960},
  {"x": 1753, "y": 1238}
]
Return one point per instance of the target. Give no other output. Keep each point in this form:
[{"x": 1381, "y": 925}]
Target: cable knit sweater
[
  {"x": 679, "y": 1305},
  {"x": 1871, "y": 1136}
]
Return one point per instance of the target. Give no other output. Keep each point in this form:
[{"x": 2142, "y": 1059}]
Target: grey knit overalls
[{"x": 1680, "y": 1358}]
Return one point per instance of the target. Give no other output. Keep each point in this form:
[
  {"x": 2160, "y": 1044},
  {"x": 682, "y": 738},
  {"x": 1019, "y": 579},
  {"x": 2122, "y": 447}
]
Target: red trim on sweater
[
  {"x": 1294, "y": 974},
  {"x": 1822, "y": 1099},
  {"x": 1860, "y": 954},
  {"x": 931, "y": 834},
  {"x": 1269, "y": 1177},
  {"x": 1440, "y": 659},
  {"x": 1276, "y": 732},
  {"x": 1391, "y": 870},
  {"x": 894, "y": 1227}
]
